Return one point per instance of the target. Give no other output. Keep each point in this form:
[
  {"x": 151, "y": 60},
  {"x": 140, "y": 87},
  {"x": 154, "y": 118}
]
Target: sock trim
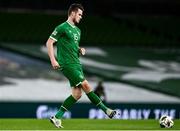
[
  {"x": 64, "y": 108},
  {"x": 99, "y": 103}
]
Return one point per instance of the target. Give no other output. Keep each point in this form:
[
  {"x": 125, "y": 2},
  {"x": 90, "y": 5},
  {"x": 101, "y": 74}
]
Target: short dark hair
[{"x": 75, "y": 7}]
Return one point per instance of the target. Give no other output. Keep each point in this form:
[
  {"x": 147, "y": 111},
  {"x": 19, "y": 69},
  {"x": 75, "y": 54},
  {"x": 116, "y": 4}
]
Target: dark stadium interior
[
  {"x": 148, "y": 7},
  {"x": 157, "y": 18}
]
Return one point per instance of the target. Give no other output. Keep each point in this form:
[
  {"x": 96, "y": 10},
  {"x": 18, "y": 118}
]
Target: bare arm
[{"x": 49, "y": 44}]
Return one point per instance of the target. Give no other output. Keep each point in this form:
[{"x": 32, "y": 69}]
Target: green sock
[
  {"x": 68, "y": 103},
  {"x": 96, "y": 101}
]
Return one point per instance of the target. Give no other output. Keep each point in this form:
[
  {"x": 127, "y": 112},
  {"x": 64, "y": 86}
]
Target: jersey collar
[{"x": 70, "y": 24}]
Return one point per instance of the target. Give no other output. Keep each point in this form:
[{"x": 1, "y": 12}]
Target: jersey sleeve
[{"x": 58, "y": 31}]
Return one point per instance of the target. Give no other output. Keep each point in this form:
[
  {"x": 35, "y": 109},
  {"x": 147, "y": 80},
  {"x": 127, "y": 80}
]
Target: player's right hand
[
  {"x": 82, "y": 51},
  {"x": 55, "y": 65}
]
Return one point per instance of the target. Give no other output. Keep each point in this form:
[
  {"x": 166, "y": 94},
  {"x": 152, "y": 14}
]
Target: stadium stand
[{"x": 139, "y": 31}]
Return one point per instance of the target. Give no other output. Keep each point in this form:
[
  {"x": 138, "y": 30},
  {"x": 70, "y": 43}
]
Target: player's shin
[
  {"x": 68, "y": 103},
  {"x": 96, "y": 101}
]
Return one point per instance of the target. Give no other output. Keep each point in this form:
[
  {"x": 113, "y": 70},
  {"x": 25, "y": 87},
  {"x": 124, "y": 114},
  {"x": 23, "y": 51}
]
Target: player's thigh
[{"x": 74, "y": 75}]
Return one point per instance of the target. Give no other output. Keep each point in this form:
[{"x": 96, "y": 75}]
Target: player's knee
[
  {"x": 77, "y": 96},
  {"x": 86, "y": 87}
]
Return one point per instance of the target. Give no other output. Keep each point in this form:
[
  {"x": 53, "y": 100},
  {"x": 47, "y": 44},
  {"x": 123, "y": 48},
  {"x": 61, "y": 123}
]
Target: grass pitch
[{"x": 84, "y": 124}]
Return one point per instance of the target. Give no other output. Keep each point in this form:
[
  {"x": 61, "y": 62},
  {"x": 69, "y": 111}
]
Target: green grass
[{"x": 83, "y": 124}]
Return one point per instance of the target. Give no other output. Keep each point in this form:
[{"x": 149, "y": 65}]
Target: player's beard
[{"x": 75, "y": 21}]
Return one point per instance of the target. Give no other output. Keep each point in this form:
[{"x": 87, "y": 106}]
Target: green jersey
[{"x": 67, "y": 37}]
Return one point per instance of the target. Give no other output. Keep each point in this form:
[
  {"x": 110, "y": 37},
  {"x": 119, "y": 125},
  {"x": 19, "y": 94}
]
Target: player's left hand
[{"x": 82, "y": 51}]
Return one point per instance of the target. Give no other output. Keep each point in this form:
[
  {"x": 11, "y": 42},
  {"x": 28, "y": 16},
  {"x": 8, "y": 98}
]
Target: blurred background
[{"x": 132, "y": 59}]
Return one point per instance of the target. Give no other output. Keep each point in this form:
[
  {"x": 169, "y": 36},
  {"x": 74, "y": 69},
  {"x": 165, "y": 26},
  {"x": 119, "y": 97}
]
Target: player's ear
[{"x": 73, "y": 13}]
